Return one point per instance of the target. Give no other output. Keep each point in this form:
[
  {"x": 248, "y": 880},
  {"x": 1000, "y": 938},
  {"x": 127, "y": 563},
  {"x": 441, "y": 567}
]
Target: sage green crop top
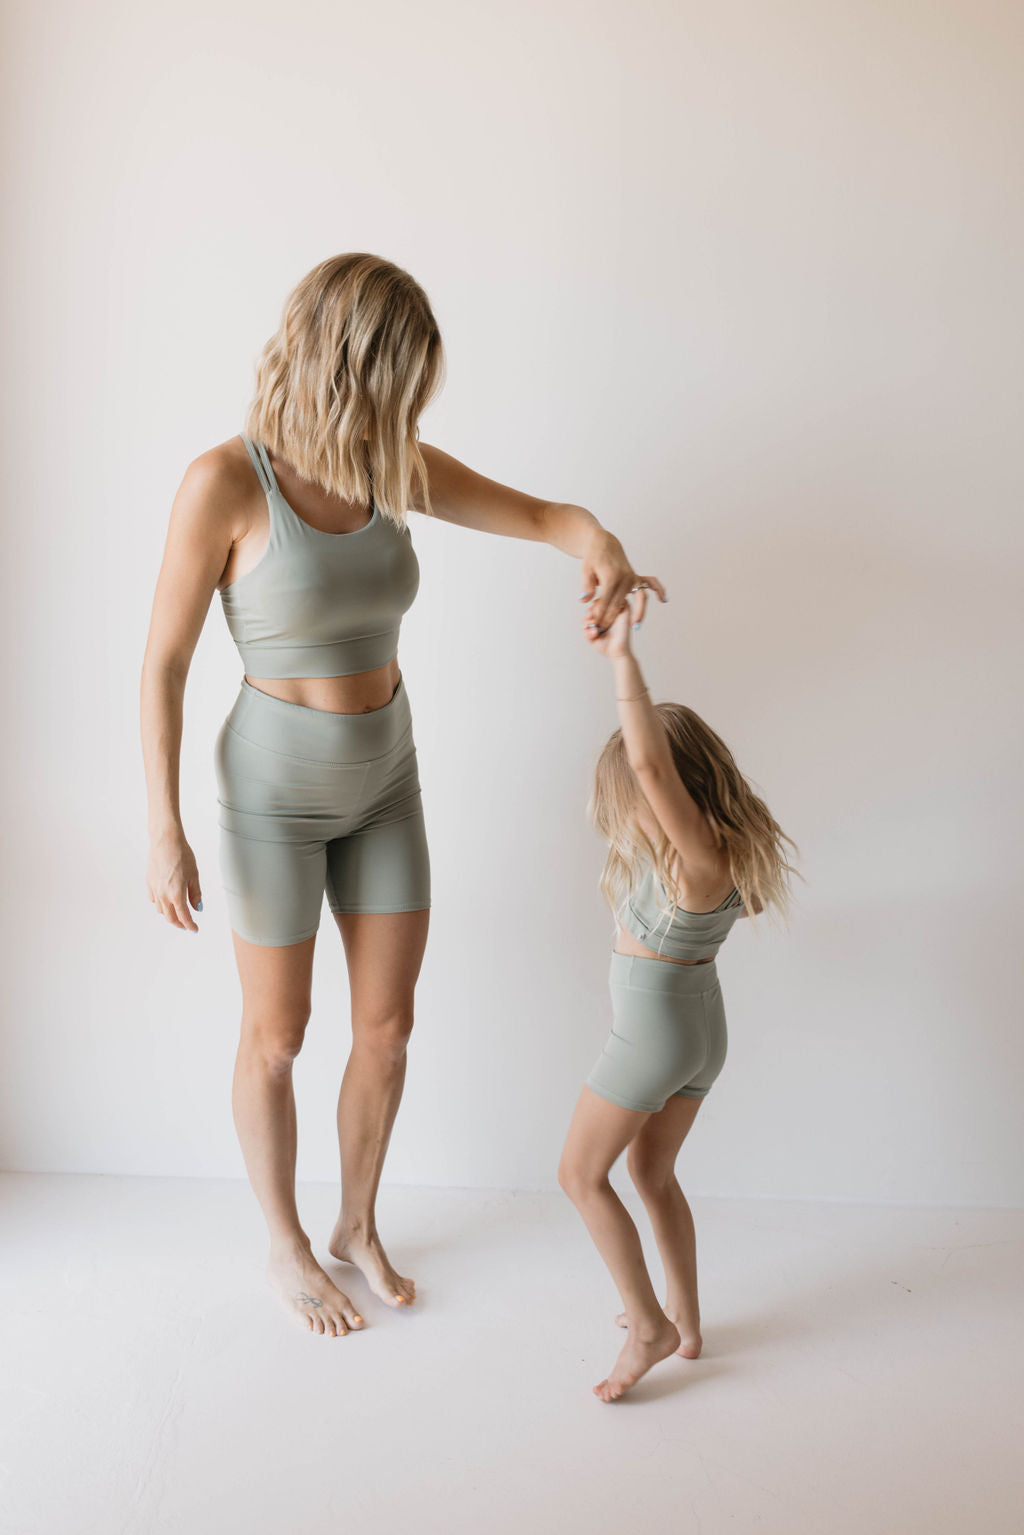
[
  {"x": 320, "y": 604},
  {"x": 679, "y": 934}
]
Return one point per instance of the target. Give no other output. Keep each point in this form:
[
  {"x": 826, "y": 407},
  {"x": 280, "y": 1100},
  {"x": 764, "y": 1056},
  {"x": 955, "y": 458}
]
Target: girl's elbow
[{"x": 647, "y": 770}]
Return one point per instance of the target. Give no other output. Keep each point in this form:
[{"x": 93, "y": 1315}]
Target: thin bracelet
[{"x": 634, "y": 700}]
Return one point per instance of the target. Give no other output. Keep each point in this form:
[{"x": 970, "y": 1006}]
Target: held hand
[
  {"x": 608, "y": 578},
  {"x": 172, "y": 879},
  {"x": 614, "y": 642}
]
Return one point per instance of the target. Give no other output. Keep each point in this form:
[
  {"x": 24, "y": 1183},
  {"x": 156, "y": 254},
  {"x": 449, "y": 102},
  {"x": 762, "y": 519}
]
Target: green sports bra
[
  {"x": 320, "y": 604},
  {"x": 678, "y": 934}
]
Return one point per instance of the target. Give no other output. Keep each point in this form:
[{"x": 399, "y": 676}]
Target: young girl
[{"x": 691, "y": 849}]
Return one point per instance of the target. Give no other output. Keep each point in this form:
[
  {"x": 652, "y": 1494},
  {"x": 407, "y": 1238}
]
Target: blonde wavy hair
[
  {"x": 743, "y": 826},
  {"x": 342, "y": 383}
]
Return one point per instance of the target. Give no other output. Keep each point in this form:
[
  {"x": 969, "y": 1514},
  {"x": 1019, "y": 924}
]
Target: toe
[{"x": 352, "y": 1317}]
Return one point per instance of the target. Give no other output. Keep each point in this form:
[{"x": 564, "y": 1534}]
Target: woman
[
  {"x": 692, "y": 848},
  {"x": 301, "y": 526}
]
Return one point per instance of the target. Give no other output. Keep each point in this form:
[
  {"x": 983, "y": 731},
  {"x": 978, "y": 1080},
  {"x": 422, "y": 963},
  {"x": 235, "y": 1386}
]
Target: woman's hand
[
  {"x": 614, "y": 642},
  {"x": 172, "y": 878},
  {"x": 607, "y": 571}
]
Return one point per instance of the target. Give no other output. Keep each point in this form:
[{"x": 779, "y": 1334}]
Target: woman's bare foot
[
  {"x": 308, "y": 1295},
  {"x": 690, "y": 1340},
  {"x": 370, "y": 1258},
  {"x": 641, "y": 1350}
]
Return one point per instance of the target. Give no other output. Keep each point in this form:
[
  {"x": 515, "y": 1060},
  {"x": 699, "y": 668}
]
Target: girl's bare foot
[
  {"x": 308, "y": 1295},
  {"x": 642, "y": 1349},
  {"x": 370, "y": 1258},
  {"x": 690, "y": 1340}
]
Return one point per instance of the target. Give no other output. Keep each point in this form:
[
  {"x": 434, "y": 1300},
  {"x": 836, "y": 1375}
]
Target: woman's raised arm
[{"x": 459, "y": 494}]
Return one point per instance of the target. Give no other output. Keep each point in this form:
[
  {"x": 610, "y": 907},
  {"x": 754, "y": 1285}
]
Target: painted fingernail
[
  {"x": 638, "y": 623},
  {"x": 199, "y": 906}
]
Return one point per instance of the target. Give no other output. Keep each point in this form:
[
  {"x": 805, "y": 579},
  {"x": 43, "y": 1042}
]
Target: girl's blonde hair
[
  {"x": 743, "y": 826},
  {"x": 341, "y": 385}
]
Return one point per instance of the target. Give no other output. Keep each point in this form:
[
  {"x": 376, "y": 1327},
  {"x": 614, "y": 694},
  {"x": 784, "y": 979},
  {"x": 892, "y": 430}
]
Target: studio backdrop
[{"x": 745, "y": 280}]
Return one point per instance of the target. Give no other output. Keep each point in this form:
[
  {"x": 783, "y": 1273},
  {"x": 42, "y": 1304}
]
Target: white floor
[{"x": 863, "y": 1373}]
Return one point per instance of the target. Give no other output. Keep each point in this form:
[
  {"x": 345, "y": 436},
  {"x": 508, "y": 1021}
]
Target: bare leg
[
  {"x": 275, "y": 1011},
  {"x": 384, "y": 955},
  {"x": 598, "y": 1134},
  {"x": 651, "y": 1162}
]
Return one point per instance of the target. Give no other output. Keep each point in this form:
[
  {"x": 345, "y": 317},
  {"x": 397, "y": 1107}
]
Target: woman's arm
[
  {"x": 206, "y": 517},
  {"x": 458, "y": 494},
  {"x": 702, "y": 864}
]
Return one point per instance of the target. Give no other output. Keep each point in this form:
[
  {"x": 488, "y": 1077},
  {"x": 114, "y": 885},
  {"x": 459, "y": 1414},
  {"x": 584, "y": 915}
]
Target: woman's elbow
[{"x": 165, "y": 670}]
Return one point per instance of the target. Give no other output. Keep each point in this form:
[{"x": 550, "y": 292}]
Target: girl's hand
[
  {"x": 172, "y": 878},
  {"x": 607, "y": 571},
  {"x": 614, "y": 642}
]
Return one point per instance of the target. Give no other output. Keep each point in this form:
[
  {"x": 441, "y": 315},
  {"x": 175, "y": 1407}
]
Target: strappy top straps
[{"x": 261, "y": 463}]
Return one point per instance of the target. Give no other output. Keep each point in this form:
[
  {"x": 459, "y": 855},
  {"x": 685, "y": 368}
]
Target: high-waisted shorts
[
  {"x": 311, "y": 801},
  {"x": 668, "y": 1035}
]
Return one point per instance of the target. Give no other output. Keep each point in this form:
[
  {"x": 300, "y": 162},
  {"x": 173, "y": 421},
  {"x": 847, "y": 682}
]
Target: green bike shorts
[
  {"x": 313, "y": 802},
  {"x": 668, "y": 1036}
]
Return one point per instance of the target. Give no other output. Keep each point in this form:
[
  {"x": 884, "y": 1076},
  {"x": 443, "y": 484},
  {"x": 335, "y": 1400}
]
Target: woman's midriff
[
  {"x": 359, "y": 694},
  {"x": 625, "y": 943}
]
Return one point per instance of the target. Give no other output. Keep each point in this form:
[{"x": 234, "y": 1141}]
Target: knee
[
  {"x": 384, "y": 1035},
  {"x": 568, "y": 1178},
  {"x": 577, "y": 1180},
  {"x": 275, "y": 1038},
  {"x": 652, "y": 1176}
]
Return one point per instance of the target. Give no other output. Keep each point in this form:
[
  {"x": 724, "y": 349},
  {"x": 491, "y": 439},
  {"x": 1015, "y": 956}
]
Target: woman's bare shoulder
[
  {"x": 217, "y": 492},
  {"x": 223, "y": 469}
]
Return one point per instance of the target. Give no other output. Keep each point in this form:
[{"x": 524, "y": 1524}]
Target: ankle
[
  {"x": 647, "y": 1327},
  {"x": 686, "y": 1319},
  {"x": 362, "y": 1230},
  {"x": 286, "y": 1245}
]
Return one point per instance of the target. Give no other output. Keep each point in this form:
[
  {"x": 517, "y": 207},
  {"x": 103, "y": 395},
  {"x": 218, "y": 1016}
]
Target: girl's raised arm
[{"x": 702, "y": 862}]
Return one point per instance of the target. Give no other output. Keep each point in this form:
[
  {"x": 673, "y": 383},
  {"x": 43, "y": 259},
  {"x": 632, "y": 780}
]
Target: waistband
[
  {"x": 639, "y": 973},
  {"x": 297, "y": 731}
]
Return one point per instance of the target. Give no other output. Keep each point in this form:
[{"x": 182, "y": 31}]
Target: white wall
[{"x": 743, "y": 278}]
